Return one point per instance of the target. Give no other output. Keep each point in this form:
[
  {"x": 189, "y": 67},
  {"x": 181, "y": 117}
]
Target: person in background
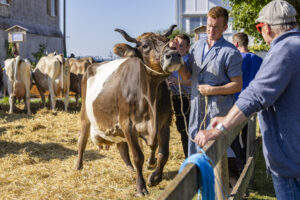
[
  {"x": 250, "y": 66},
  {"x": 274, "y": 94},
  {"x": 182, "y": 43}
]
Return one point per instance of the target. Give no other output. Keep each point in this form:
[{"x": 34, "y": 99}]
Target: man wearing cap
[{"x": 274, "y": 93}]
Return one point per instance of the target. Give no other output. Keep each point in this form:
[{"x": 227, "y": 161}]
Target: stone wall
[
  {"x": 34, "y": 16},
  {"x": 31, "y": 45}
]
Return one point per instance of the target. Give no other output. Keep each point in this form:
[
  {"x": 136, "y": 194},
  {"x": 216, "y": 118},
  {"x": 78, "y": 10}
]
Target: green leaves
[{"x": 244, "y": 13}]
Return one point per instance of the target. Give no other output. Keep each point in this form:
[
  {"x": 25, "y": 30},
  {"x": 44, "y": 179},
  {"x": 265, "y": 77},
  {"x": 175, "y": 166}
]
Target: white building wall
[{"x": 193, "y": 13}]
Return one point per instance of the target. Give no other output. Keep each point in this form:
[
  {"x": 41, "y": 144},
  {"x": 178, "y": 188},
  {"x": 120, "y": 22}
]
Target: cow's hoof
[
  {"x": 142, "y": 193},
  {"x": 154, "y": 179},
  {"x": 151, "y": 165},
  {"x": 131, "y": 168},
  {"x": 78, "y": 166}
]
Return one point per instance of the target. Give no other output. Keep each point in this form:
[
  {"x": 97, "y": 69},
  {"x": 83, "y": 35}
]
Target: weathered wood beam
[{"x": 245, "y": 177}]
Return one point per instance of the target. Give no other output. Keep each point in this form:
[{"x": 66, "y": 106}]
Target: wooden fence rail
[{"x": 185, "y": 185}]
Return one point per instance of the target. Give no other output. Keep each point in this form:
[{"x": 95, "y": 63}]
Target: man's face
[
  {"x": 215, "y": 28},
  {"x": 265, "y": 32}
]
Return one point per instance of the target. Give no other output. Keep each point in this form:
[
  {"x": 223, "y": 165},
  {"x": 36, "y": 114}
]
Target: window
[
  {"x": 6, "y": 2},
  {"x": 52, "y": 7},
  {"x": 204, "y": 21},
  {"x": 194, "y": 22}
]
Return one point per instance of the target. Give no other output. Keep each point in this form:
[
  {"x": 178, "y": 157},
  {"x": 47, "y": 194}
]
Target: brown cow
[
  {"x": 77, "y": 68},
  {"x": 128, "y": 98}
]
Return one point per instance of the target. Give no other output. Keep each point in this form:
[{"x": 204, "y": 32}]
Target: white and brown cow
[
  {"x": 128, "y": 98},
  {"x": 52, "y": 74},
  {"x": 77, "y": 68},
  {"x": 18, "y": 81}
]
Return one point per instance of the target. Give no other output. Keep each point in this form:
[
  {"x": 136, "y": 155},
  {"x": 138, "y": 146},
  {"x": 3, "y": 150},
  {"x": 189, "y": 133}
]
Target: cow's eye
[{"x": 145, "y": 47}]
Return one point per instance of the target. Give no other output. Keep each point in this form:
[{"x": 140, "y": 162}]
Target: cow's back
[
  {"x": 79, "y": 66},
  {"x": 50, "y": 66}
]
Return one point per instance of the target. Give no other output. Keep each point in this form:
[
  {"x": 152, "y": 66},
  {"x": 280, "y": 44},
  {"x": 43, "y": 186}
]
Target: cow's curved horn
[
  {"x": 126, "y": 36},
  {"x": 169, "y": 32}
]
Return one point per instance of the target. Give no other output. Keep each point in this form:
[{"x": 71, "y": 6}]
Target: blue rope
[{"x": 207, "y": 174}]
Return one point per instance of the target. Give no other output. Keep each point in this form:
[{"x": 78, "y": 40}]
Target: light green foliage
[
  {"x": 244, "y": 13},
  {"x": 177, "y": 31},
  {"x": 37, "y": 55},
  {"x": 9, "y": 49}
]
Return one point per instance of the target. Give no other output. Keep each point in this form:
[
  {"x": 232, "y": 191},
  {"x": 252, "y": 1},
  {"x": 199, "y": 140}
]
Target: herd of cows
[
  {"x": 122, "y": 100},
  {"x": 52, "y": 73}
]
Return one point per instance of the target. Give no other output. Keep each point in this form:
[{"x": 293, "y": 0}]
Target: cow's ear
[
  {"x": 60, "y": 57},
  {"x": 124, "y": 50}
]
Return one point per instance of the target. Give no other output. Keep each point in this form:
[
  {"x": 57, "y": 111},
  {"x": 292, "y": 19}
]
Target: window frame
[
  {"x": 7, "y": 3},
  {"x": 52, "y": 8}
]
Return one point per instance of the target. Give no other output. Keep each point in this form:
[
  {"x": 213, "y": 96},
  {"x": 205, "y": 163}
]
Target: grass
[
  {"x": 262, "y": 186},
  {"x": 38, "y": 153}
]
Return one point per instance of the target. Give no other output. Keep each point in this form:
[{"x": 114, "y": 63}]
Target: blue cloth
[
  {"x": 201, "y": 160},
  {"x": 250, "y": 66},
  {"x": 275, "y": 94},
  {"x": 221, "y": 62},
  {"x": 286, "y": 188}
]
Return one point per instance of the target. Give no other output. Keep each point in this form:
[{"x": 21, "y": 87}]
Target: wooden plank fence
[{"x": 185, "y": 185}]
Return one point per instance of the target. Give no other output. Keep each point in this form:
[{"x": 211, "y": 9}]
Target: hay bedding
[{"x": 38, "y": 154}]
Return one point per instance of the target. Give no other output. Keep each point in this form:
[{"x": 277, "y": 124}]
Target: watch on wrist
[{"x": 220, "y": 127}]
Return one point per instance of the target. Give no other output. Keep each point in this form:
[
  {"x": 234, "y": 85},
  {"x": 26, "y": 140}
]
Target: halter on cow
[{"x": 128, "y": 98}]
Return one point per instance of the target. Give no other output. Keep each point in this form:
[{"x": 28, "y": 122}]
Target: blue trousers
[{"x": 286, "y": 188}]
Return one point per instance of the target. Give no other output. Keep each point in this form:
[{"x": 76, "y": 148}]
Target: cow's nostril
[{"x": 168, "y": 56}]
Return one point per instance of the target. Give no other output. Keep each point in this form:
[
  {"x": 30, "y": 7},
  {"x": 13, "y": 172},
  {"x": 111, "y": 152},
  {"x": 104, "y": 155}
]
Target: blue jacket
[
  {"x": 275, "y": 93},
  {"x": 250, "y": 67}
]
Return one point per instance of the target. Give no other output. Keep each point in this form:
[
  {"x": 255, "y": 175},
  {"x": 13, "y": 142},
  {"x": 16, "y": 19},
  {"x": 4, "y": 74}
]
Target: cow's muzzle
[{"x": 171, "y": 61}]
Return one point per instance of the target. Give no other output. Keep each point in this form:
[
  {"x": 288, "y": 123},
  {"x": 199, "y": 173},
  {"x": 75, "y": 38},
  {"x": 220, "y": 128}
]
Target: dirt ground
[{"x": 38, "y": 155}]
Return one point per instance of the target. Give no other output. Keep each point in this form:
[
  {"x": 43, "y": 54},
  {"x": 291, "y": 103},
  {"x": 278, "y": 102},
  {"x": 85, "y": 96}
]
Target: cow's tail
[
  {"x": 16, "y": 67},
  {"x": 18, "y": 85},
  {"x": 62, "y": 78}
]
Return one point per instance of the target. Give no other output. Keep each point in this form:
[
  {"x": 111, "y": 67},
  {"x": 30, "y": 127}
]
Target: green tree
[
  {"x": 9, "y": 49},
  {"x": 244, "y": 13},
  {"x": 37, "y": 55}
]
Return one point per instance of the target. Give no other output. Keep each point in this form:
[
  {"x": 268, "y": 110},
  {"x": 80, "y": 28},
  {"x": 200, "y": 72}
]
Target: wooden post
[
  {"x": 251, "y": 135},
  {"x": 64, "y": 38},
  {"x": 18, "y": 48},
  {"x": 222, "y": 176}
]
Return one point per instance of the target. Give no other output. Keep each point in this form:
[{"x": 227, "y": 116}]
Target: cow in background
[
  {"x": 18, "y": 81},
  {"x": 1, "y": 80},
  {"x": 77, "y": 68},
  {"x": 127, "y": 99},
  {"x": 52, "y": 74}
]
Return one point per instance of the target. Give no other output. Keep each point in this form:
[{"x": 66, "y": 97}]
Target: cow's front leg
[
  {"x": 152, "y": 161},
  {"x": 124, "y": 152},
  {"x": 162, "y": 157},
  {"x": 138, "y": 158}
]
